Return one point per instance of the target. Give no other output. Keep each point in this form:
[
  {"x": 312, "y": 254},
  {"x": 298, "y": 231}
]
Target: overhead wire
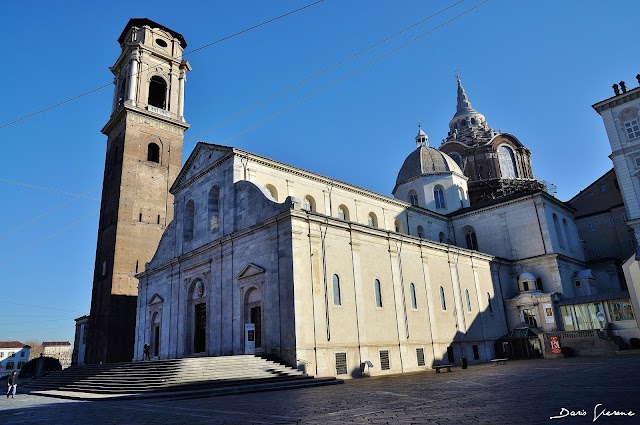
[
  {"x": 319, "y": 73},
  {"x": 349, "y": 75},
  {"x": 50, "y": 236},
  {"x": 149, "y": 66},
  {"x": 48, "y": 189},
  {"x": 39, "y": 306},
  {"x": 46, "y": 213}
]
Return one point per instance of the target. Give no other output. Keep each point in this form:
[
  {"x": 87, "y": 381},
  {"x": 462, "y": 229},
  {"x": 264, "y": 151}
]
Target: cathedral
[{"x": 236, "y": 253}]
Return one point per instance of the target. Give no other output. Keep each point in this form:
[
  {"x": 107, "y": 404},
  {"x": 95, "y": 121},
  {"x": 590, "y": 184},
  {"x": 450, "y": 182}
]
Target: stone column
[
  {"x": 133, "y": 77},
  {"x": 181, "y": 80}
]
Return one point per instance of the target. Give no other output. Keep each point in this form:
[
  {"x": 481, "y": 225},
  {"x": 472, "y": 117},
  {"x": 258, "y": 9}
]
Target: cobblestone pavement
[{"x": 520, "y": 392}]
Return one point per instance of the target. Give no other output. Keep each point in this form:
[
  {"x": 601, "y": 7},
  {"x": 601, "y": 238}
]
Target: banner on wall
[
  {"x": 548, "y": 313},
  {"x": 554, "y": 341}
]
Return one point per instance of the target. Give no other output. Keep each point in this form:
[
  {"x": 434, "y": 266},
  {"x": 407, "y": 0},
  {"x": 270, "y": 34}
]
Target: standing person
[
  {"x": 12, "y": 383},
  {"x": 146, "y": 350}
]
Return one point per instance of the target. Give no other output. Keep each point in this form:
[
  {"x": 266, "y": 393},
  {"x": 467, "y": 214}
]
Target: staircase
[{"x": 178, "y": 377}]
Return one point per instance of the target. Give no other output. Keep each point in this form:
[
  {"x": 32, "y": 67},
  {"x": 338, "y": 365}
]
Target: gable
[
  {"x": 202, "y": 158},
  {"x": 250, "y": 270},
  {"x": 155, "y": 299}
]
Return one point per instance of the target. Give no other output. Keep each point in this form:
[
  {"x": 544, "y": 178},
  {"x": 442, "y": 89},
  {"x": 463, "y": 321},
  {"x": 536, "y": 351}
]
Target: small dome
[
  {"x": 426, "y": 161},
  {"x": 526, "y": 276}
]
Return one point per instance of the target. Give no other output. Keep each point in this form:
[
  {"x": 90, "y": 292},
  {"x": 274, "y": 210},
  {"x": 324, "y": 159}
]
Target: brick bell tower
[{"x": 143, "y": 157}]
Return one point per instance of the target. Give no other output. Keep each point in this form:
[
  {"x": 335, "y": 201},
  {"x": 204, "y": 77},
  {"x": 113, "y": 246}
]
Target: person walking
[
  {"x": 146, "y": 350},
  {"x": 12, "y": 383}
]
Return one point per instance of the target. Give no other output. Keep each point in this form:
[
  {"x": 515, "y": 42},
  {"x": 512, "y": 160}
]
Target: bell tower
[{"x": 143, "y": 157}]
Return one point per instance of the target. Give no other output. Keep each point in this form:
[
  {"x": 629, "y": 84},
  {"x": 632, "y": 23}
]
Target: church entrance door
[
  {"x": 256, "y": 319},
  {"x": 200, "y": 328},
  {"x": 156, "y": 340}
]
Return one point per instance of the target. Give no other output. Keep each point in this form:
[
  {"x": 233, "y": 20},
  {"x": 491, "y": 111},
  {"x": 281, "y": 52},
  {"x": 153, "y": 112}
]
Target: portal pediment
[
  {"x": 155, "y": 299},
  {"x": 251, "y": 270}
]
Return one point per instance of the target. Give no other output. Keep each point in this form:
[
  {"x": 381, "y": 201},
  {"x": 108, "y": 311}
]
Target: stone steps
[{"x": 208, "y": 375}]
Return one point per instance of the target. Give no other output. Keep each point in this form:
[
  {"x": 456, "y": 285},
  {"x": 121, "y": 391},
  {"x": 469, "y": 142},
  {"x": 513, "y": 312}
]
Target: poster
[
  {"x": 554, "y": 342},
  {"x": 548, "y": 313}
]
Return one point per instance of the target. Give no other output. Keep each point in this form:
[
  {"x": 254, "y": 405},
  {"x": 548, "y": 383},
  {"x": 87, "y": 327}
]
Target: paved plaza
[{"x": 520, "y": 392}]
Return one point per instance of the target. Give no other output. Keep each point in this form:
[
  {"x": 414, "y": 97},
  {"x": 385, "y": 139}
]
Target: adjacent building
[
  {"x": 79, "y": 354},
  {"x": 621, "y": 118},
  {"x": 60, "y": 350},
  {"x": 13, "y": 355}
]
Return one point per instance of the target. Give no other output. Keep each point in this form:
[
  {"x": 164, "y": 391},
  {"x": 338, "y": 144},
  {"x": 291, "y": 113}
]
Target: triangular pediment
[
  {"x": 250, "y": 270},
  {"x": 155, "y": 299},
  {"x": 202, "y": 157}
]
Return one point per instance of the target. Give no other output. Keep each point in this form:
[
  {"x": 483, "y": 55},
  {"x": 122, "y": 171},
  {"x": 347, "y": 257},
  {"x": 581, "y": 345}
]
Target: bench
[
  {"x": 442, "y": 366},
  {"x": 498, "y": 361}
]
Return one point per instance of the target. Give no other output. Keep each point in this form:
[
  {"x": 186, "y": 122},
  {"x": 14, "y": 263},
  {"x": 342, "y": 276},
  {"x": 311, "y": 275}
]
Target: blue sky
[{"x": 532, "y": 68}]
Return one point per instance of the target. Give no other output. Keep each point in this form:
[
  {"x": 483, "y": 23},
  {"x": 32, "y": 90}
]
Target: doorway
[
  {"x": 256, "y": 319},
  {"x": 200, "y": 328},
  {"x": 253, "y": 314},
  {"x": 156, "y": 340}
]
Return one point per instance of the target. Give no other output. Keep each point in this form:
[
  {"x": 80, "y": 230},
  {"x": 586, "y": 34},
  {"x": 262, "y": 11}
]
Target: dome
[
  {"x": 526, "y": 276},
  {"x": 426, "y": 161}
]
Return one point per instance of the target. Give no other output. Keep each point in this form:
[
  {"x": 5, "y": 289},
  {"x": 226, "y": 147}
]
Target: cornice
[
  {"x": 117, "y": 116},
  {"x": 334, "y": 183},
  {"x": 616, "y": 100}
]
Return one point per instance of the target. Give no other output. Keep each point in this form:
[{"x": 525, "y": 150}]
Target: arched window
[
  {"x": 157, "y": 92},
  {"x": 470, "y": 237},
  {"x": 214, "y": 208},
  {"x": 466, "y": 294},
  {"x": 443, "y": 301},
  {"x": 567, "y": 233},
  {"x": 398, "y": 226},
  {"x": 153, "y": 153},
  {"x": 343, "y": 213},
  {"x": 507, "y": 160},
  {"x": 373, "y": 220},
  {"x": 489, "y": 302},
  {"x": 272, "y": 191},
  {"x": 414, "y": 300},
  {"x": 438, "y": 196},
  {"x": 309, "y": 204},
  {"x": 457, "y": 158},
  {"x": 556, "y": 226},
  {"x": 420, "y": 232},
  {"x": 188, "y": 222},
  {"x": 378, "y": 291},
  {"x": 462, "y": 196},
  {"x": 337, "y": 299},
  {"x": 413, "y": 198},
  {"x": 441, "y": 237}
]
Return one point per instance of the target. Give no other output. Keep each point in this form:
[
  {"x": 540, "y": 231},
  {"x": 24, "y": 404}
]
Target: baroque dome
[{"x": 426, "y": 161}]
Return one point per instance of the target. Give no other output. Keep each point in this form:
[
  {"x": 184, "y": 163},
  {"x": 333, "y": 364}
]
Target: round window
[{"x": 160, "y": 42}]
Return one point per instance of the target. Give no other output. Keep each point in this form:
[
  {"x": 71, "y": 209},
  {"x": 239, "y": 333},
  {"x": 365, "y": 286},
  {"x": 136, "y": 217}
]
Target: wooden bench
[
  {"x": 442, "y": 366},
  {"x": 498, "y": 361}
]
